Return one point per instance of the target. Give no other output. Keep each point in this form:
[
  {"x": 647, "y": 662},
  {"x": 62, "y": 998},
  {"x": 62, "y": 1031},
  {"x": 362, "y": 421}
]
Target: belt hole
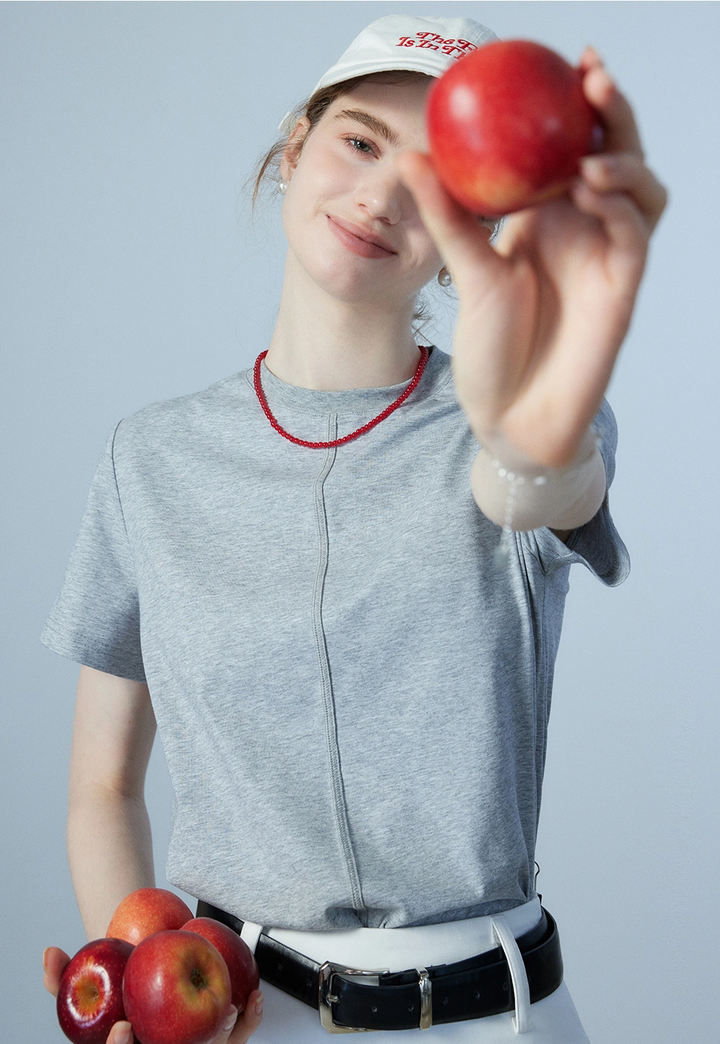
[
  {"x": 477, "y": 994},
  {"x": 411, "y": 1007},
  {"x": 446, "y": 1000},
  {"x": 280, "y": 967},
  {"x": 374, "y": 1009}
]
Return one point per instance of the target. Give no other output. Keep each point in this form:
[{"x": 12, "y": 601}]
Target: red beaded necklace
[{"x": 424, "y": 353}]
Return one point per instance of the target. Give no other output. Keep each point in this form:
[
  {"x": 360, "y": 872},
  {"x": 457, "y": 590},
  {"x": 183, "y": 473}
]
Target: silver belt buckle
[{"x": 327, "y": 998}]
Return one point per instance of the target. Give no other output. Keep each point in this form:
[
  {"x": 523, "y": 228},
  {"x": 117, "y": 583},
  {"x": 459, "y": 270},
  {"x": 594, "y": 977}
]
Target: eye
[{"x": 359, "y": 144}]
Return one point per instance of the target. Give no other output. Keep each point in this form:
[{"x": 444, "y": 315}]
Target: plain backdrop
[{"x": 131, "y": 273}]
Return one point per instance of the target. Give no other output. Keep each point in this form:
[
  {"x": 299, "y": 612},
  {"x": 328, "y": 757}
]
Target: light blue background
[{"x": 130, "y": 273}]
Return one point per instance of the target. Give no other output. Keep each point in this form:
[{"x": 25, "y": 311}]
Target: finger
[
  {"x": 121, "y": 1033},
  {"x": 621, "y": 132},
  {"x": 590, "y": 59},
  {"x": 228, "y": 1026},
  {"x": 624, "y": 225},
  {"x": 55, "y": 961},
  {"x": 250, "y": 1019},
  {"x": 458, "y": 235},
  {"x": 625, "y": 172}
]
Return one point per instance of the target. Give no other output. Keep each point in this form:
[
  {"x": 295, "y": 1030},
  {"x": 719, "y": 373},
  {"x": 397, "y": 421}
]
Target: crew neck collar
[{"x": 352, "y": 400}]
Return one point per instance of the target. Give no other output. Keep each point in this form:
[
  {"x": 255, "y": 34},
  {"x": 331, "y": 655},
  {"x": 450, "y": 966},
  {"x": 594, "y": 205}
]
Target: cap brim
[{"x": 416, "y": 63}]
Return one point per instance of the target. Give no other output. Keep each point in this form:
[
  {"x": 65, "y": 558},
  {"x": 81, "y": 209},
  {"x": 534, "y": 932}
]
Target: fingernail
[
  {"x": 44, "y": 959},
  {"x": 259, "y": 1004},
  {"x": 123, "y": 1036},
  {"x": 608, "y": 77},
  {"x": 230, "y": 1021},
  {"x": 598, "y": 165}
]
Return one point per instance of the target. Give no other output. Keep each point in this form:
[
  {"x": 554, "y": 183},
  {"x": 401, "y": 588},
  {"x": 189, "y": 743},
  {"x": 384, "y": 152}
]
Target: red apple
[
  {"x": 176, "y": 989},
  {"x": 240, "y": 960},
  {"x": 89, "y": 1000},
  {"x": 507, "y": 125},
  {"x": 145, "y": 911}
]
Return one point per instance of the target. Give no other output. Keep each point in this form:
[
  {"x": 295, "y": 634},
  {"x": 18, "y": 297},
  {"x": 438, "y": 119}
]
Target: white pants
[{"x": 552, "y": 1020}]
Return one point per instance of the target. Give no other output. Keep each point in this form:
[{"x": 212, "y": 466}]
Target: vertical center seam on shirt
[{"x": 338, "y": 791}]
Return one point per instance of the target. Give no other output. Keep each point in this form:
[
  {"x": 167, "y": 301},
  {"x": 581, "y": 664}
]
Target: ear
[{"x": 293, "y": 148}]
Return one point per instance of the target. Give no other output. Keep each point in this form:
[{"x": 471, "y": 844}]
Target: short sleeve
[
  {"x": 96, "y": 618},
  {"x": 597, "y": 544}
]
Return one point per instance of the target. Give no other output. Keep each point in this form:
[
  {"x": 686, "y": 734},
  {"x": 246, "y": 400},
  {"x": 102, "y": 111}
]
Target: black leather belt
[{"x": 469, "y": 989}]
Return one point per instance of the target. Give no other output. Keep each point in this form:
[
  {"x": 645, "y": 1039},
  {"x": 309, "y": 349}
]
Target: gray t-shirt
[{"x": 351, "y": 697}]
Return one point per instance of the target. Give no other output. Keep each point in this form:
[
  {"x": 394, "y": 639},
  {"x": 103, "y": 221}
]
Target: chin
[
  {"x": 350, "y": 283},
  {"x": 315, "y": 254}
]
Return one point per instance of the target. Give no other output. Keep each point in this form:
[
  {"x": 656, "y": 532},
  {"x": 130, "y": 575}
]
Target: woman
[{"x": 295, "y": 575}]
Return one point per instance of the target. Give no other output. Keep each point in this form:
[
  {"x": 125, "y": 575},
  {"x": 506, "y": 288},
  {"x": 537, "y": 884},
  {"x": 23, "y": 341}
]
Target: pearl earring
[
  {"x": 282, "y": 186},
  {"x": 444, "y": 278}
]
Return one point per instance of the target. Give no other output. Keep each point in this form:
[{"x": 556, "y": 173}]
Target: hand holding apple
[
  {"x": 55, "y": 961},
  {"x": 543, "y": 312},
  {"x": 89, "y": 999},
  {"x": 235, "y": 1030},
  {"x": 507, "y": 125},
  {"x": 179, "y": 989},
  {"x": 176, "y": 989}
]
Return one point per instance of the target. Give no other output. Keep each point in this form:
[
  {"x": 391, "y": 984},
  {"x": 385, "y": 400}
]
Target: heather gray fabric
[{"x": 352, "y": 699}]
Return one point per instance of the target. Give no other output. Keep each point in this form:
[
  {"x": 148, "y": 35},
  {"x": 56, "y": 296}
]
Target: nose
[{"x": 382, "y": 195}]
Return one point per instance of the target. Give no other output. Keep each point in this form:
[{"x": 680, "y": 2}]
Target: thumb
[
  {"x": 55, "y": 961},
  {"x": 249, "y": 1021},
  {"x": 461, "y": 238},
  {"x": 121, "y": 1033},
  {"x": 227, "y": 1027}
]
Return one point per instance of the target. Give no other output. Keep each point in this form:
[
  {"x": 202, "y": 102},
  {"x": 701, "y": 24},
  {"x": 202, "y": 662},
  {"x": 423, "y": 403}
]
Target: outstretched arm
[{"x": 543, "y": 314}]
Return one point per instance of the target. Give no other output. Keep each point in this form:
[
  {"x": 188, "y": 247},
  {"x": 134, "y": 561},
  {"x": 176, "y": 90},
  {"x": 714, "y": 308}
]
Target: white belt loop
[
  {"x": 251, "y": 933},
  {"x": 522, "y": 1020}
]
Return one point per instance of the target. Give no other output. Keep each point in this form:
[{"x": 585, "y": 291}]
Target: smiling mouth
[{"x": 356, "y": 242}]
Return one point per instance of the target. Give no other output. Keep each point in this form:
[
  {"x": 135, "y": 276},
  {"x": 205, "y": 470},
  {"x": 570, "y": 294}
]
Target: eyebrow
[{"x": 374, "y": 124}]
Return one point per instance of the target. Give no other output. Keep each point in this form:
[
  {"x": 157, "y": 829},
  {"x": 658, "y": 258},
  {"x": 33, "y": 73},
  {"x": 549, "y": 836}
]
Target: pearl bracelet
[
  {"x": 514, "y": 481},
  {"x": 502, "y": 552}
]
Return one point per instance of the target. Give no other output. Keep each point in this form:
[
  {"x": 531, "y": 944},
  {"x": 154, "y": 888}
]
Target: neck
[{"x": 327, "y": 344}]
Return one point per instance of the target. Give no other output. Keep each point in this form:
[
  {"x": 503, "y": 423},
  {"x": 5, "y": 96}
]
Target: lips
[{"x": 358, "y": 240}]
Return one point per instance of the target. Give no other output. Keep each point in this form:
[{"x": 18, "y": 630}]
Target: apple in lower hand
[
  {"x": 507, "y": 126},
  {"x": 145, "y": 911},
  {"x": 89, "y": 999},
  {"x": 176, "y": 989},
  {"x": 240, "y": 960}
]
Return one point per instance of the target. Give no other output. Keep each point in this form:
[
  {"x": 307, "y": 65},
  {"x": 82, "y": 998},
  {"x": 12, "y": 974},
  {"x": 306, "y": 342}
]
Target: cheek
[
  {"x": 309, "y": 196},
  {"x": 429, "y": 260},
  {"x": 320, "y": 175}
]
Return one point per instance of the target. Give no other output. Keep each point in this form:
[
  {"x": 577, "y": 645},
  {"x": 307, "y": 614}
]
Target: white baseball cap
[{"x": 425, "y": 45}]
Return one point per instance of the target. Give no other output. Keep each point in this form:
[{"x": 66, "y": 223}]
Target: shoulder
[{"x": 170, "y": 422}]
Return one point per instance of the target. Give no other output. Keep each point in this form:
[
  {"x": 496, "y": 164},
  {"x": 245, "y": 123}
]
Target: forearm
[
  {"x": 511, "y": 490},
  {"x": 110, "y": 852}
]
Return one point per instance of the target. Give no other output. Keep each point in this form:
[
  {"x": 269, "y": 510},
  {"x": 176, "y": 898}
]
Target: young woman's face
[{"x": 349, "y": 220}]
